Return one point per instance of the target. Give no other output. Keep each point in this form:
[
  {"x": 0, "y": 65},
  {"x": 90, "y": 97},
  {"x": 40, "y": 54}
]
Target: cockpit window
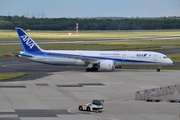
[{"x": 165, "y": 57}]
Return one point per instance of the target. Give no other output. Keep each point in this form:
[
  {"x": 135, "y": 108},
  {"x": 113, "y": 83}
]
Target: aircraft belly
[
  {"x": 146, "y": 64},
  {"x": 58, "y": 61},
  {"x": 140, "y": 64},
  {"x": 80, "y": 62}
]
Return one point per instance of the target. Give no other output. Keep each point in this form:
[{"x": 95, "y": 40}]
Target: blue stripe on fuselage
[{"x": 59, "y": 55}]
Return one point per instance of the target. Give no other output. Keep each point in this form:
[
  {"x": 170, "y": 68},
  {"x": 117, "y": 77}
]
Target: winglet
[{"x": 27, "y": 43}]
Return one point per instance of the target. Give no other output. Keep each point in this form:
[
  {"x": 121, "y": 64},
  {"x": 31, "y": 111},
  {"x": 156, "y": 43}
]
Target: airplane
[{"x": 94, "y": 60}]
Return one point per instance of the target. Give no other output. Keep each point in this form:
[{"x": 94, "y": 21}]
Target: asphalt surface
[
  {"x": 98, "y": 40},
  {"x": 33, "y": 69},
  {"x": 169, "y": 51},
  {"x": 56, "y": 97},
  {"x": 36, "y": 70},
  {"x": 54, "y": 92}
]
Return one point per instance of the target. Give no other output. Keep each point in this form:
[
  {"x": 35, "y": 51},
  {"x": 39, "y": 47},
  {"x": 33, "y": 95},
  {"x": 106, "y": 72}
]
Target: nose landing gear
[{"x": 159, "y": 69}]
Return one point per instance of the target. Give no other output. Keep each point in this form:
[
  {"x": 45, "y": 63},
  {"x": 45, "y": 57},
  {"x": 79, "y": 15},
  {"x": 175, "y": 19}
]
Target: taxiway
[{"x": 56, "y": 96}]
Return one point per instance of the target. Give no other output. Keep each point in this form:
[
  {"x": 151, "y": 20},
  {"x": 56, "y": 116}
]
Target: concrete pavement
[{"x": 57, "y": 96}]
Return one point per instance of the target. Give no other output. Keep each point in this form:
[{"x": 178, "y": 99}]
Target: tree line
[{"x": 10, "y": 22}]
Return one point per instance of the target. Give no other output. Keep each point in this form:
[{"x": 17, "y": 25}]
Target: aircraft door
[
  {"x": 45, "y": 56},
  {"x": 155, "y": 57},
  {"x": 124, "y": 59},
  {"x": 124, "y": 56},
  {"x": 80, "y": 54}
]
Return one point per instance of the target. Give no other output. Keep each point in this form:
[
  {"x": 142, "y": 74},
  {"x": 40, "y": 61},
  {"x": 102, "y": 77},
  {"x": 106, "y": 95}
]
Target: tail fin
[{"x": 27, "y": 43}]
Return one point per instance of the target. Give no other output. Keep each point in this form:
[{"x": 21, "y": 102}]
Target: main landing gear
[
  {"x": 91, "y": 69},
  {"x": 159, "y": 69}
]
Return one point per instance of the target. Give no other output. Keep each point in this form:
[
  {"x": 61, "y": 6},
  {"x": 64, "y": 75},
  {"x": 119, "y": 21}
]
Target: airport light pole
[{"x": 77, "y": 28}]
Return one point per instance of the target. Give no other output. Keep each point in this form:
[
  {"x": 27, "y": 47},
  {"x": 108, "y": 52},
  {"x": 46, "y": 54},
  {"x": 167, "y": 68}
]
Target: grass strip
[
  {"x": 174, "y": 57},
  {"x": 86, "y": 35},
  {"x": 9, "y": 76}
]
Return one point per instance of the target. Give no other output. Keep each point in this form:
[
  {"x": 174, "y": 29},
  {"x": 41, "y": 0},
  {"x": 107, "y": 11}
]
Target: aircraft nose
[{"x": 170, "y": 61}]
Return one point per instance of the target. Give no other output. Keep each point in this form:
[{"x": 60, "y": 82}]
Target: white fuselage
[
  {"x": 63, "y": 57},
  {"x": 94, "y": 60}
]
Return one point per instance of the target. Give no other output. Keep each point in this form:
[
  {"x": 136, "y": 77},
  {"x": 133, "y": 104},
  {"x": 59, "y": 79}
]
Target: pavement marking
[
  {"x": 81, "y": 85},
  {"x": 8, "y": 116},
  {"x": 12, "y": 86},
  {"x": 66, "y": 93},
  {"x": 41, "y": 84}
]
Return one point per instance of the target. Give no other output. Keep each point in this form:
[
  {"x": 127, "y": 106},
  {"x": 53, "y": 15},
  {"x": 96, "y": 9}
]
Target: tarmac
[
  {"x": 55, "y": 92},
  {"x": 95, "y": 40}
]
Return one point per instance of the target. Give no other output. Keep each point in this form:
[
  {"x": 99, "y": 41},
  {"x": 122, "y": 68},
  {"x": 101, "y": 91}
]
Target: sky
[{"x": 90, "y": 8}]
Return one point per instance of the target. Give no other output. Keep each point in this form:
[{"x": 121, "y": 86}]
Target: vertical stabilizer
[{"x": 27, "y": 43}]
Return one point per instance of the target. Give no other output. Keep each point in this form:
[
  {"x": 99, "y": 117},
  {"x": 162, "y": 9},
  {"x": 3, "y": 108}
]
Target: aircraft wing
[
  {"x": 85, "y": 59},
  {"x": 81, "y": 57}
]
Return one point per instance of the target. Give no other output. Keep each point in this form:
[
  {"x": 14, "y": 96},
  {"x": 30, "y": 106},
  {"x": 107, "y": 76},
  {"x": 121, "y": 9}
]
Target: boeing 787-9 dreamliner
[{"x": 94, "y": 60}]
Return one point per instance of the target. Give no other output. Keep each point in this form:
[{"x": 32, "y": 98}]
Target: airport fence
[{"x": 157, "y": 92}]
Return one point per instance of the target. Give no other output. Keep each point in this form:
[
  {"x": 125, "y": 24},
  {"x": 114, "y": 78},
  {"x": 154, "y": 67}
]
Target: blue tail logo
[{"x": 27, "y": 43}]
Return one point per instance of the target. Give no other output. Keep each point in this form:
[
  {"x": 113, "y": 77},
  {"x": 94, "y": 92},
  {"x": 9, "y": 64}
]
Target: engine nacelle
[{"x": 107, "y": 64}]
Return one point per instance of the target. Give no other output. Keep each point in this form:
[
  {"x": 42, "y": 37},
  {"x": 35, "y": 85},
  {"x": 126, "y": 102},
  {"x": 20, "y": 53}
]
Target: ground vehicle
[{"x": 94, "y": 106}]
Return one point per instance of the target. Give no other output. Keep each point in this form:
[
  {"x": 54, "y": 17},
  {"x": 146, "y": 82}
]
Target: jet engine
[{"x": 107, "y": 65}]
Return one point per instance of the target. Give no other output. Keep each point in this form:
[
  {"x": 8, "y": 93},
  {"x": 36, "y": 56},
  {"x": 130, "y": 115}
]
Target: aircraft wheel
[
  {"x": 88, "y": 108},
  {"x": 80, "y": 108},
  {"x": 88, "y": 69},
  {"x": 92, "y": 69},
  {"x": 96, "y": 69},
  {"x": 158, "y": 69}
]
